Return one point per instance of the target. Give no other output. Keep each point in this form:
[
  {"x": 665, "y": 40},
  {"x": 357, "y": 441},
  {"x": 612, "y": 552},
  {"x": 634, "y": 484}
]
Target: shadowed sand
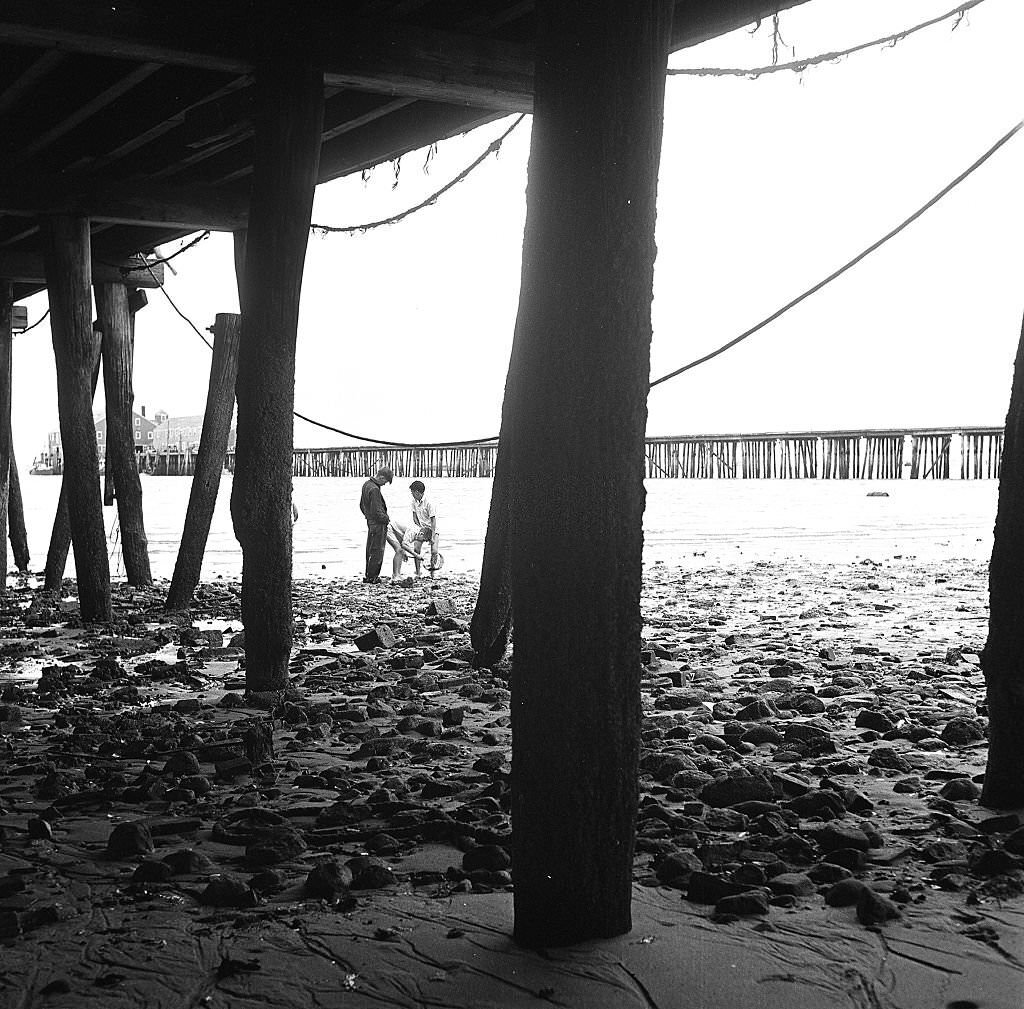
[{"x": 761, "y": 671}]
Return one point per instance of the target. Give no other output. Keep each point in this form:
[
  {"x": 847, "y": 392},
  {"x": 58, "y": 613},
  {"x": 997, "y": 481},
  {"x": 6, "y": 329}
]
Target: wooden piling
[
  {"x": 220, "y": 402},
  {"x": 6, "y": 347},
  {"x": 17, "y": 531},
  {"x": 117, "y": 328},
  {"x": 289, "y": 118},
  {"x": 68, "y": 273}
]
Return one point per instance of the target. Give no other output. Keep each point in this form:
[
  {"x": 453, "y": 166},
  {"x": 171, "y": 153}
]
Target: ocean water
[{"x": 687, "y": 522}]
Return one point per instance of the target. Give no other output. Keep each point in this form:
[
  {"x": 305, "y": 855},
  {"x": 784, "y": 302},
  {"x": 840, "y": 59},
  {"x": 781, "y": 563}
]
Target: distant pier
[{"x": 964, "y": 453}]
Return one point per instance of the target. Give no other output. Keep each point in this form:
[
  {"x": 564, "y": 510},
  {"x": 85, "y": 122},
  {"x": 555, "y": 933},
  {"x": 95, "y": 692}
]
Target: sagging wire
[
  {"x": 949, "y": 187},
  {"x": 28, "y": 329},
  {"x": 492, "y": 148},
  {"x": 799, "y": 65},
  {"x": 125, "y": 270}
]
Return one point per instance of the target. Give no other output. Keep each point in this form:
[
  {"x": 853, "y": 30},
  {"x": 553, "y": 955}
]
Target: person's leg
[
  {"x": 396, "y": 531},
  {"x": 433, "y": 551},
  {"x": 375, "y": 552},
  {"x": 369, "y": 553}
]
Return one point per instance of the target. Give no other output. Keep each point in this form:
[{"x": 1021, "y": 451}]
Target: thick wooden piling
[
  {"x": 1002, "y": 659},
  {"x": 68, "y": 274},
  {"x": 289, "y": 118},
  {"x": 16, "y": 528},
  {"x": 220, "y": 402},
  {"x": 6, "y": 347},
  {"x": 582, "y": 344},
  {"x": 117, "y": 327}
]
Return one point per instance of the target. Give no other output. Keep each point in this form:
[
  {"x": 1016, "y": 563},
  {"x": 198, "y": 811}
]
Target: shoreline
[{"x": 811, "y": 736}]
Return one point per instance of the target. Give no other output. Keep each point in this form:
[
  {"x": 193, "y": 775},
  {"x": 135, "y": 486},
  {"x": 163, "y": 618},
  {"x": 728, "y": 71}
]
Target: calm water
[{"x": 690, "y": 522}]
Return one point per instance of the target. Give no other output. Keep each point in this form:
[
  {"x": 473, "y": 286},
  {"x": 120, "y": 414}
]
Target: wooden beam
[
  {"x": 157, "y": 204},
  {"x": 15, "y": 92},
  {"x": 375, "y": 55},
  {"x": 27, "y": 268},
  {"x": 107, "y": 97},
  {"x": 697, "y": 22},
  {"x": 370, "y": 55}
]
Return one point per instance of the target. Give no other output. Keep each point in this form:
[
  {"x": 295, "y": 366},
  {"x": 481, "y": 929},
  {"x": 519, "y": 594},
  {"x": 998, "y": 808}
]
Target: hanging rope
[
  {"x": 493, "y": 148},
  {"x": 41, "y": 318},
  {"x": 949, "y": 187},
  {"x": 125, "y": 270},
  {"x": 799, "y": 65}
]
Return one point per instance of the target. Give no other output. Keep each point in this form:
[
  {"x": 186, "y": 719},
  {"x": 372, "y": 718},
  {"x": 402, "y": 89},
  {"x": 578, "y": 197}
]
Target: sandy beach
[{"x": 808, "y": 835}]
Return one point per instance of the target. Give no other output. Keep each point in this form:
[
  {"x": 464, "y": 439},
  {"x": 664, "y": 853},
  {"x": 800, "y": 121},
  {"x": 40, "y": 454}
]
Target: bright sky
[{"x": 766, "y": 186}]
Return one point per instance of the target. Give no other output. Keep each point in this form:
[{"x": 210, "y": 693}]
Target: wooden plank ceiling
[{"x": 138, "y": 114}]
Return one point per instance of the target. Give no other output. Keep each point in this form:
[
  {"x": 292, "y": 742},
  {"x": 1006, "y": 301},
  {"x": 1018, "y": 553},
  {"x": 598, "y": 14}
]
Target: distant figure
[
  {"x": 425, "y": 518},
  {"x": 375, "y": 511}
]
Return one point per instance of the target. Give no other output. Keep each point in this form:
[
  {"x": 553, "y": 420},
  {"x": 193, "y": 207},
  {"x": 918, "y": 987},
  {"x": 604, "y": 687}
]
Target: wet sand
[{"x": 809, "y": 832}]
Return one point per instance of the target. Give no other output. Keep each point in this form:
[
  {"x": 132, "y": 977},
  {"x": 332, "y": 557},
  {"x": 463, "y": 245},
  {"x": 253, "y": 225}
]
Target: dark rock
[
  {"x": 243, "y": 826},
  {"x": 876, "y": 720},
  {"x": 486, "y": 856},
  {"x": 797, "y": 884},
  {"x": 828, "y": 872},
  {"x": 1000, "y": 824},
  {"x": 380, "y": 637},
  {"x": 729, "y": 791},
  {"x": 1015, "y": 842},
  {"x": 874, "y": 909},
  {"x": 182, "y": 763},
  {"x": 842, "y": 835},
  {"x": 994, "y": 863},
  {"x": 152, "y": 871},
  {"x": 725, "y": 819},
  {"x": 821, "y": 802},
  {"x": 889, "y": 759},
  {"x": 328, "y": 880},
  {"x": 945, "y": 850},
  {"x": 710, "y": 742},
  {"x": 129, "y": 839},
  {"x": 758, "y": 734},
  {"x": 756, "y": 710},
  {"x": 805, "y": 732},
  {"x": 751, "y": 902},
  {"x": 268, "y": 881},
  {"x": 228, "y": 891},
  {"x": 370, "y": 873},
  {"x": 845, "y": 893},
  {"x": 677, "y": 866},
  {"x": 39, "y": 829},
  {"x": 960, "y": 790},
  {"x": 705, "y": 888},
  {"x": 187, "y": 862},
  {"x": 961, "y": 731},
  {"x": 277, "y": 844},
  {"x": 849, "y": 858}
]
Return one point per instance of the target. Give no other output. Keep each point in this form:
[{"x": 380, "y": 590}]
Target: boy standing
[{"x": 424, "y": 517}]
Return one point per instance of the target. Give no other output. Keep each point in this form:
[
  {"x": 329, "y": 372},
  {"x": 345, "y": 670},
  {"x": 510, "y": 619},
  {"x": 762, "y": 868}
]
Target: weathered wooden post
[
  {"x": 67, "y": 259},
  {"x": 6, "y": 347},
  {"x": 573, "y": 462},
  {"x": 16, "y": 518},
  {"x": 1003, "y": 657},
  {"x": 117, "y": 327},
  {"x": 220, "y": 403},
  {"x": 289, "y": 120},
  {"x": 60, "y": 535}
]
